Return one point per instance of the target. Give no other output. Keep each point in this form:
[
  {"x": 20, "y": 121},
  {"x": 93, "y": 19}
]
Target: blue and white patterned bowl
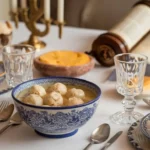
[
  {"x": 56, "y": 122},
  {"x": 143, "y": 125}
]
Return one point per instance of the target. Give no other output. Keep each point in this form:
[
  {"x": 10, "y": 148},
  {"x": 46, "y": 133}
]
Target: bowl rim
[
  {"x": 57, "y": 108},
  {"x": 142, "y": 127}
]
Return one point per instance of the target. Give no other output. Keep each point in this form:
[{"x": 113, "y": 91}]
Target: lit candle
[
  {"x": 60, "y": 11},
  {"x": 47, "y": 10},
  {"x": 23, "y": 3},
  {"x": 14, "y": 5}
]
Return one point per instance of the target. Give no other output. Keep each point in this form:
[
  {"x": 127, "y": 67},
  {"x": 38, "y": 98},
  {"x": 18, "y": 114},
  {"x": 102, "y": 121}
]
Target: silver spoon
[
  {"x": 99, "y": 135},
  {"x": 6, "y": 113},
  {"x": 14, "y": 120}
]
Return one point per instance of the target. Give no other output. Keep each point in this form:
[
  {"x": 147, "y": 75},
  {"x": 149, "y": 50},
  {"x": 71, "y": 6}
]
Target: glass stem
[{"x": 129, "y": 104}]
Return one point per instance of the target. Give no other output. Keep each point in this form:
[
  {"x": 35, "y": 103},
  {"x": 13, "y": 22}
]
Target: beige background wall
[
  {"x": 4, "y": 10},
  {"x": 97, "y": 14},
  {"x": 103, "y": 14}
]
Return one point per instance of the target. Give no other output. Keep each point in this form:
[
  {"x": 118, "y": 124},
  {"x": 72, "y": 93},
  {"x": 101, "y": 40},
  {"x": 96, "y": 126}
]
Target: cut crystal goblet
[{"x": 130, "y": 70}]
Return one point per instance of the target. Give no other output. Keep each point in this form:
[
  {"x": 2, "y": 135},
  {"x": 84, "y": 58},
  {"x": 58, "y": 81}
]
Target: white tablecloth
[{"x": 24, "y": 138}]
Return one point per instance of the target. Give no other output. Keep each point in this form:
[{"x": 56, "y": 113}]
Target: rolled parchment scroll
[{"x": 125, "y": 36}]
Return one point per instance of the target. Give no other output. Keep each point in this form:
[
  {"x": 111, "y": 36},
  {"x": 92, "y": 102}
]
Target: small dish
[
  {"x": 145, "y": 125},
  {"x": 136, "y": 137},
  {"x": 67, "y": 71}
]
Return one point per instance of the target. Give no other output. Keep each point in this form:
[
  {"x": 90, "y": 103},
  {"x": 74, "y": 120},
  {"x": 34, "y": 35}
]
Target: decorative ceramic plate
[
  {"x": 2, "y": 71},
  {"x": 3, "y": 85},
  {"x": 145, "y": 122},
  {"x": 136, "y": 137}
]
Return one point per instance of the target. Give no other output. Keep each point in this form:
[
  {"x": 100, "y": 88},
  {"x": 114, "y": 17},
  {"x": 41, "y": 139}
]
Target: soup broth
[{"x": 89, "y": 94}]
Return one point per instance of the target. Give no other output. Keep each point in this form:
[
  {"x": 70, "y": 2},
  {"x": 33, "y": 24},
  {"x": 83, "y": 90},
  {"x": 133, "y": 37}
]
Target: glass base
[{"x": 123, "y": 118}]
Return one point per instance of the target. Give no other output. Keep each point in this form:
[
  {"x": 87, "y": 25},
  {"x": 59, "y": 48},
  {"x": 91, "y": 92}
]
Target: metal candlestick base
[{"x": 34, "y": 41}]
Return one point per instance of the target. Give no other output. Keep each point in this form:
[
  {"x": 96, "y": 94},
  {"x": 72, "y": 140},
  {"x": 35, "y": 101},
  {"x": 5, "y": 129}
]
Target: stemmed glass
[{"x": 130, "y": 70}]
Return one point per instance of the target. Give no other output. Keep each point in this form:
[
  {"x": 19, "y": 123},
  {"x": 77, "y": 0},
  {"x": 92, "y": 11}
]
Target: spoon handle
[
  {"x": 5, "y": 127},
  {"x": 89, "y": 145}
]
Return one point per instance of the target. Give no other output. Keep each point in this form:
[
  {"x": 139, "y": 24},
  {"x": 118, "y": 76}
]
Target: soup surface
[{"x": 74, "y": 95}]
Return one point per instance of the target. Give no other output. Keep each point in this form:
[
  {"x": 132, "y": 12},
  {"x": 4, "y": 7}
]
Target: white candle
[
  {"x": 23, "y": 3},
  {"x": 14, "y": 5},
  {"x": 47, "y": 10},
  {"x": 60, "y": 11}
]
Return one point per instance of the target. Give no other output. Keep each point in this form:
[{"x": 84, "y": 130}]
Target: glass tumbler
[
  {"x": 18, "y": 62},
  {"x": 130, "y": 71}
]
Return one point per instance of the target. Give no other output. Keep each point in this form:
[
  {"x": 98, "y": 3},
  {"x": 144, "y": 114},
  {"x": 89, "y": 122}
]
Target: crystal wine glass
[{"x": 130, "y": 70}]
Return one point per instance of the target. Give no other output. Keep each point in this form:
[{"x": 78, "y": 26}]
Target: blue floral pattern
[
  {"x": 59, "y": 122},
  {"x": 143, "y": 125}
]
